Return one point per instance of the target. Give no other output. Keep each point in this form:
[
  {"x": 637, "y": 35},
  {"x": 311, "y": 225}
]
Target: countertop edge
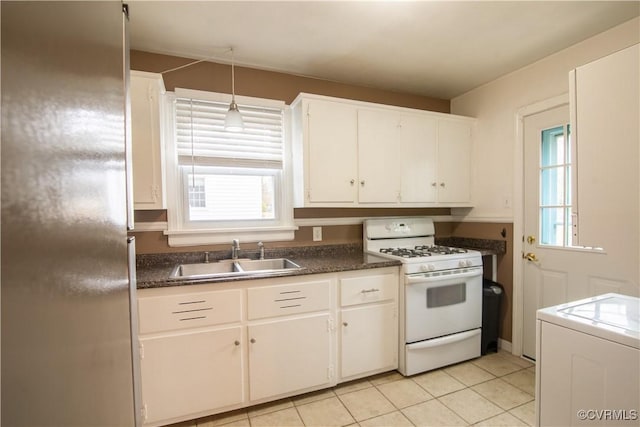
[{"x": 158, "y": 276}]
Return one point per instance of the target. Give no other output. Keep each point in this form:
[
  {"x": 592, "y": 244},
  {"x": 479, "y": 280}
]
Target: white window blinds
[{"x": 202, "y": 140}]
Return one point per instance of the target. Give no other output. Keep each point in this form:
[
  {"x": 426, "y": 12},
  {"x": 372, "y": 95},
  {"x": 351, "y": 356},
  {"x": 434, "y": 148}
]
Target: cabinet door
[
  {"x": 378, "y": 156},
  {"x": 454, "y": 161},
  {"x": 605, "y": 125},
  {"x": 289, "y": 355},
  {"x": 189, "y": 373},
  {"x": 579, "y": 371},
  {"x": 369, "y": 337},
  {"x": 332, "y": 152},
  {"x": 146, "y": 139},
  {"x": 418, "y": 159}
]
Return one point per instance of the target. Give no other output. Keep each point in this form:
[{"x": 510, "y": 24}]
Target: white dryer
[{"x": 588, "y": 362}]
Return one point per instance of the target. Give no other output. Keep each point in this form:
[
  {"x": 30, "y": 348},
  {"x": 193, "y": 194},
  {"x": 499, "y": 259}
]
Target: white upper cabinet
[
  {"x": 418, "y": 159},
  {"x": 330, "y": 134},
  {"x": 378, "y": 156},
  {"x": 454, "y": 162},
  {"x": 147, "y": 140},
  {"x": 351, "y": 153}
]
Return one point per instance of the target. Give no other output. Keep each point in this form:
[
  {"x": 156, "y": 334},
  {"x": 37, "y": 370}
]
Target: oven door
[{"x": 438, "y": 304}]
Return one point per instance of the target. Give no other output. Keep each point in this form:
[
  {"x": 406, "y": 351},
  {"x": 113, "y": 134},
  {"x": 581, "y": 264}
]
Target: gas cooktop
[{"x": 422, "y": 251}]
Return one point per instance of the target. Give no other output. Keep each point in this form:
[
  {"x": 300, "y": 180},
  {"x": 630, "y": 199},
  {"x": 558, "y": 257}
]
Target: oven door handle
[
  {"x": 450, "y": 339},
  {"x": 427, "y": 277}
]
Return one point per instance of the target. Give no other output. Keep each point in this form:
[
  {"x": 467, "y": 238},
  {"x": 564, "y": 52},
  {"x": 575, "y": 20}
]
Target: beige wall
[
  {"x": 495, "y": 106},
  {"x": 213, "y": 77},
  {"x": 498, "y": 172}
]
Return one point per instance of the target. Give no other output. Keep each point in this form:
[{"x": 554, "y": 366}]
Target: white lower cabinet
[
  {"x": 182, "y": 373},
  {"x": 211, "y": 348},
  {"x": 369, "y": 323},
  {"x": 289, "y": 355},
  {"x": 369, "y": 340}
]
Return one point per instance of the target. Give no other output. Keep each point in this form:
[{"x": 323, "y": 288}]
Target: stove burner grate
[{"x": 422, "y": 251}]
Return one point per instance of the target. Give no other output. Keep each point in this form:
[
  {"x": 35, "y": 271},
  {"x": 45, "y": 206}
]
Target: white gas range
[{"x": 441, "y": 300}]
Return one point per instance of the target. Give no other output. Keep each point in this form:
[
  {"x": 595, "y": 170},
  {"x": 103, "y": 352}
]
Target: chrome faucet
[
  {"x": 235, "y": 248},
  {"x": 261, "y": 248},
  {"x": 206, "y": 257}
]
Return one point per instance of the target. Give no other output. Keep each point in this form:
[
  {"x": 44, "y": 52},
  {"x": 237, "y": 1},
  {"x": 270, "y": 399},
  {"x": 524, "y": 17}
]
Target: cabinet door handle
[
  {"x": 236, "y": 342},
  {"x": 366, "y": 291},
  {"x": 252, "y": 340},
  {"x": 433, "y": 184},
  {"x": 362, "y": 182},
  {"x": 353, "y": 181},
  {"x": 442, "y": 184},
  {"x": 345, "y": 324}
]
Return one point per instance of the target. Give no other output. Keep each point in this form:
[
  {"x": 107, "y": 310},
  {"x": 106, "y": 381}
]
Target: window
[
  {"x": 227, "y": 182},
  {"x": 555, "y": 187}
]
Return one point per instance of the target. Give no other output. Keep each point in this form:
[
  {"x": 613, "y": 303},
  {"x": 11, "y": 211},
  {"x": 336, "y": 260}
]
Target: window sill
[{"x": 226, "y": 235}]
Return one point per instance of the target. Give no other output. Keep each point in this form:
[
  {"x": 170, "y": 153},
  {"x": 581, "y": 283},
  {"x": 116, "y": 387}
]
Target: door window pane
[
  {"x": 555, "y": 187},
  {"x": 553, "y": 226}
]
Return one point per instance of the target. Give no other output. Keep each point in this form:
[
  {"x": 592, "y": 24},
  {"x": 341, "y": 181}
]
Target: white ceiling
[{"x": 432, "y": 48}]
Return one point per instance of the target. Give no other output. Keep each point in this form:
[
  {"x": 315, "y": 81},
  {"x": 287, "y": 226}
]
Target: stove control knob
[
  {"x": 427, "y": 267},
  {"x": 463, "y": 263}
]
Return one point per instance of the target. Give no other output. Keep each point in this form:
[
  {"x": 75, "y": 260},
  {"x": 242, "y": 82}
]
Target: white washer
[{"x": 588, "y": 362}]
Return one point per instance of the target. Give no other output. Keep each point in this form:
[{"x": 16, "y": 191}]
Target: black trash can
[{"x": 491, "y": 296}]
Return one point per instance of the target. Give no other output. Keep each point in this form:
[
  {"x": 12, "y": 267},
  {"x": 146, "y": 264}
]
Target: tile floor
[{"x": 493, "y": 390}]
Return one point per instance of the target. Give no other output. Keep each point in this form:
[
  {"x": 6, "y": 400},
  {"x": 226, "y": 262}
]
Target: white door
[
  {"x": 378, "y": 156},
  {"x": 332, "y": 161},
  {"x": 289, "y": 355},
  {"x": 369, "y": 338},
  {"x": 418, "y": 159},
  {"x": 454, "y": 162},
  {"x": 554, "y": 271},
  {"x": 189, "y": 373}
]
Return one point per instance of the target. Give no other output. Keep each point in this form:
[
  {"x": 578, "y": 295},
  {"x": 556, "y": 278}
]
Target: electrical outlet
[{"x": 317, "y": 234}]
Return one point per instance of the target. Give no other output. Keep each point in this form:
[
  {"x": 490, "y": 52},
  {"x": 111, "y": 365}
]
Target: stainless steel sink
[
  {"x": 234, "y": 268},
  {"x": 276, "y": 264}
]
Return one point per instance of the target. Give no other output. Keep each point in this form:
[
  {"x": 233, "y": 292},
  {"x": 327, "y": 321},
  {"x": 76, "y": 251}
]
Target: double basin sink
[{"x": 234, "y": 268}]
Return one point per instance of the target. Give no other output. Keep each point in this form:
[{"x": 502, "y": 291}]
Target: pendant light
[{"x": 233, "y": 120}]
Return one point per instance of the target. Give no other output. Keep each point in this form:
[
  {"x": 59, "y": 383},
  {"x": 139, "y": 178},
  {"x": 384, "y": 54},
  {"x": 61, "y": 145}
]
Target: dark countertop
[
  {"x": 153, "y": 270},
  {"x": 484, "y": 246}
]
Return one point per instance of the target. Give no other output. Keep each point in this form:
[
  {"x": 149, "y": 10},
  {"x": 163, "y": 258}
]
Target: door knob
[
  {"x": 530, "y": 256},
  {"x": 531, "y": 240}
]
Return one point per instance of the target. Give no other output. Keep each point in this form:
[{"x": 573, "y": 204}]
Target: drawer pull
[
  {"x": 193, "y": 311},
  {"x": 366, "y": 291},
  {"x": 289, "y": 292},
  {"x": 193, "y": 318},
  {"x": 192, "y": 302},
  {"x": 289, "y": 299},
  {"x": 291, "y": 306}
]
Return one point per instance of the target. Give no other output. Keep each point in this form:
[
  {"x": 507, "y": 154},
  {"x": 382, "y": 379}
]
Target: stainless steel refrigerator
[{"x": 68, "y": 268}]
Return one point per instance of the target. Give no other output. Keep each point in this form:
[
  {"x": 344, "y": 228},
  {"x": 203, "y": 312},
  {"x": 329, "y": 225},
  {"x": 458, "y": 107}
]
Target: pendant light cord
[
  {"x": 233, "y": 78},
  {"x": 180, "y": 67}
]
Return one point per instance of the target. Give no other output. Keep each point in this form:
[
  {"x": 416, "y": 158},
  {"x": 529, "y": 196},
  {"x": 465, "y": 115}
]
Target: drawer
[
  {"x": 189, "y": 310},
  {"x": 366, "y": 289},
  {"x": 271, "y": 301}
]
